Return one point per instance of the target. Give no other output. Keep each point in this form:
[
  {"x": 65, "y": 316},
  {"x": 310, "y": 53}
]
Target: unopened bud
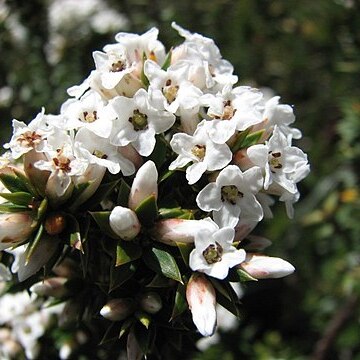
[
  {"x": 124, "y": 222},
  {"x": 51, "y": 287},
  {"x": 266, "y": 267},
  {"x": 117, "y": 309},
  {"x": 151, "y": 302},
  {"x": 55, "y": 223},
  {"x": 14, "y": 228}
]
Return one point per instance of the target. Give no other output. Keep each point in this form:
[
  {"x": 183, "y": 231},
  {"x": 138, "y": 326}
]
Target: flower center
[
  {"x": 170, "y": 91},
  {"x": 213, "y": 253},
  {"x": 62, "y": 162},
  {"x": 199, "y": 151},
  {"x": 275, "y": 161},
  {"x": 90, "y": 117},
  {"x": 29, "y": 139},
  {"x": 138, "y": 120},
  {"x": 231, "y": 194},
  {"x": 118, "y": 66},
  {"x": 99, "y": 154}
]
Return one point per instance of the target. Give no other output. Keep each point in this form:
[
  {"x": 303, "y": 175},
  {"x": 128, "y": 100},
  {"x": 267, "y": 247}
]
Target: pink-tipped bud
[
  {"x": 151, "y": 302},
  {"x": 131, "y": 154},
  {"x": 117, "y": 309},
  {"x": 54, "y": 287},
  {"x": 124, "y": 222},
  {"x": 14, "y": 228},
  {"x": 144, "y": 184},
  {"x": 170, "y": 231},
  {"x": 201, "y": 299},
  {"x": 266, "y": 267}
]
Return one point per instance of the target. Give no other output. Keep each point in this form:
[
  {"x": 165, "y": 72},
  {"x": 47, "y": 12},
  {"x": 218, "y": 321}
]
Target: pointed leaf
[
  {"x": 144, "y": 318},
  {"x": 239, "y": 275},
  {"x": 180, "y": 303},
  {"x": 185, "y": 250},
  {"x": 102, "y": 219},
  {"x": 101, "y": 193},
  {"x": 75, "y": 235},
  {"x": 42, "y": 209},
  {"x": 159, "y": 281},
  {"x": 123, "y": 195},
  {"x": 119, "y": 275},
  {"x": 163, "y": 263},
  {"x": 126, "y": 326},
  {"x": 147, "y": 211},
  {"x": 26, "y": 181},
  {"x": 126, "y": 252},
  {"x": 167, "y": 61},
  {"x": 34, "y": 244},
  {"x": 11, "y": 208},
  {"x": 18, "y": 198},
  {"x": 13, "y": 183},
  {"x": 111, "y": 333}
]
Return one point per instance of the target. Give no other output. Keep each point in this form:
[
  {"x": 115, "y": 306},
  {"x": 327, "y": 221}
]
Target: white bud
[
  {"x": 124, "y": 223},
  {"x": 144, "y": 184},
  {"x": 51, "y": 287},
  {"x": 117, "y": 309},
  {"x": 266, "y": 267}
]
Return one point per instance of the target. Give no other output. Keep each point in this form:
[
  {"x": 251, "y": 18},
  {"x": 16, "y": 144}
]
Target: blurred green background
[{"x": 306, "y": 51}]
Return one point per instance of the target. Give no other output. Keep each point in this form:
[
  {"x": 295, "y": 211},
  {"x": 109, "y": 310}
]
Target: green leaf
[
  {"x": 11, "y": 208},
  {"x": 18, "y": 198},
  {"x": 13, "y": 183},
  {"x": 102, "y": 219},
  {"x": 127, "y": 251},
  {"x": 166, "y": 175},
  {"x": 239, "y": 275},
  {"x": 180, "y": 303},
  {"x": 245, "y": 139},
  {"x": 185, "y": 250},
  {"x": 100, "y": 194},
  {"x": 147, "y": 211},
  {"x": 175, "y": 212},
  {"x": 163, "y": 263},
  {"x": 123, "y": 195},
  {"x": 167, "y": 61},
  {"x": 111, "y": 333},
  {"x": 126, "y": 326},
  {"x": 144, "y": 337},
  {"x": 159, "y": 281},
  {"x": 26, "y": 181},
  {"x": 119, "y": 275},
  {"x": 158, "y": 156},
  {"x": 41, "y": 211},
  {"x": 34, "y": 243},
  {"x": 144, "y": 318},
  {"x": 74, "y": 233}
]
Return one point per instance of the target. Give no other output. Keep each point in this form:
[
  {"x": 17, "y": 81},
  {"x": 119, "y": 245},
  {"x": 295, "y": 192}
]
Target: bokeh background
[{"x": 306, "y": 51}]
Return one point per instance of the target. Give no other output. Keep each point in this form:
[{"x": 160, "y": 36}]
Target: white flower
[
  {"x": 124, "y": 223},
  {"x": 27, "y": 137},
  {"x": 144, "y": 184},
  {"x": 266, "y": 267},
  {"x": 214, "y": 254},
  {"x": 62, "y": 164},
  {"x": 232, "y": 109},
  {"x": 279, "y": 160},
  {"x": 201, "y": 151},
  {"x": 138, "y": 121},
  {"x": 201, "y": 299},
  {"x": 89, "y": 112},
  {"x": 233, "y": 195},
  {"x": 97, "y": 150}
]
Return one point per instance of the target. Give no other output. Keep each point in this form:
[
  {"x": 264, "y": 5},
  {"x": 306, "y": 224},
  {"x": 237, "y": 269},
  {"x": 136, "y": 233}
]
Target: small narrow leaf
[
  {"x": 123, "y": 195},
  {"x": 159, "y": 281},
  {"x": 102, "y": 219},
  {"x": 75, "y": 235},
  {"x": 119, "y": 275},
  {"x": 163, "y": 263},
  {"x": 11, "y": 208},
  {"x": 111, "y": 333},
  {"x": 41, "y": 211},
  {"x": 18, "y": 198},
  {"x": 13, "y": 183},
  {"x": 34, "y": 244},
  {"x": 126, "y": 326},
  {"x": 143, "y": 77},
  {"x": 26, "y": 181},
  {"x": 147, "y": 211},
  {"x": 144, "y": 318},
  {"x": 127, "y": 252},
  {"x": 167, "y": 61},
  {"x": 180, "y": 303}
]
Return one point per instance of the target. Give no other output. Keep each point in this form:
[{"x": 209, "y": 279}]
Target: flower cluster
[{"x": 151, "y": 178}]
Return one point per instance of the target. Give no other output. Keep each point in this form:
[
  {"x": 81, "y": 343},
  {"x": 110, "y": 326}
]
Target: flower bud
[
  {"x": 55, "y": 223},
  {"x": 14, "y": 228},
  {"x": 201, "y": 298},
  {"x": 117, "y": 309},
  {"x": 124, "y": 223},
  {"x": 51, "y": 287},
  {"x": 131, "y": 154},
  {"x": 151, "y": 302},
  {"x": 144, "y": 184},
  {"x": 266, "y": 267}
]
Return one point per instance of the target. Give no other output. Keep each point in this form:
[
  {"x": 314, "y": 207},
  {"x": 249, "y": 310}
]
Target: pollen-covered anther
[
  {"x": 29, "y": 139},
  {"x": 213, "y": 253},
  {"x": 138, "y": 120},
  {"x": 90, "y": 117},
  {"x": 118, "y": 66},
  {"x": 231, "y": 194},
  {"x": 275, "y": 160},
  {"x": 99, "y": 154},
  {"x": 62, "y": 162},
  {"x": 170, "y": 91},
  {"x": 199, "y": 151}
]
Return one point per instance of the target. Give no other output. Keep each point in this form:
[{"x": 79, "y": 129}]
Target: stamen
[
  {"x": 139, "y": 120},
  {"x": 231, "y": 194},
  {"x": 213, "y": 253},
  {"x": 199, "y": 151}
]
